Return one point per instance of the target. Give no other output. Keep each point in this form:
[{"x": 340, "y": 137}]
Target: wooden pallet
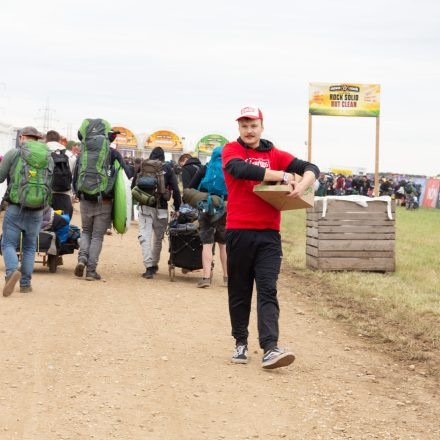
[{"x": 350, "y": 237}]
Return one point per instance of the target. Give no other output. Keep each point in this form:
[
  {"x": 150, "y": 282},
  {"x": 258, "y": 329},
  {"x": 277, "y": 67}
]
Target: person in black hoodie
[
  {"x": 253, "y": 240},
  {"x": 189, "y": 166},
  {"x": 153, "y": 221}
]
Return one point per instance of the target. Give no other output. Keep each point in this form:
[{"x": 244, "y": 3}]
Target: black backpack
[{"x": 62, "y": 176}]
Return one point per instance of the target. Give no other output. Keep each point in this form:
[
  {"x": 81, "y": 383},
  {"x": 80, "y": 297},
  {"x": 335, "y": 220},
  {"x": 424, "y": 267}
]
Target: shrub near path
[{"x": 400, "y": 310}]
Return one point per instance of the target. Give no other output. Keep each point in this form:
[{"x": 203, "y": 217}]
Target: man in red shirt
[{"x": 253, "y": 241}]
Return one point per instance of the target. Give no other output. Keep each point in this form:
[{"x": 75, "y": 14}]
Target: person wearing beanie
[
  {"x": 253, "y": 242},
  {"x": 153, "y": 220}
]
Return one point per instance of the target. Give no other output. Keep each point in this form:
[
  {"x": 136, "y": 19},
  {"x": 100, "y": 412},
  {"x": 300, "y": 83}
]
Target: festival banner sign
[
  {"x": 168, "y": 140},
  {"x": 126, "y": 139},
  {"x": 209, "y": 142},
  {"x": 431, "y": 196},
  {"x": 340, "y": 99}
]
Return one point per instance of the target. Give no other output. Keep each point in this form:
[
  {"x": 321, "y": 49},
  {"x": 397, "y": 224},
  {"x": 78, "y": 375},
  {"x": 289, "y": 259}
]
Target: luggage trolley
[
  {"x": 185, "y": 250},
  {"x": 50, "y": 250}
]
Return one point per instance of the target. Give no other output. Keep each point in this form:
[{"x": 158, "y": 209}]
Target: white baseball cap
[{"x": 250, "y": 112}]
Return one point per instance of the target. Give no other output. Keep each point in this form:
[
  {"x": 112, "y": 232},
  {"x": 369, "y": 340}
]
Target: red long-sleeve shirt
[{"x": 245, "y": 209}]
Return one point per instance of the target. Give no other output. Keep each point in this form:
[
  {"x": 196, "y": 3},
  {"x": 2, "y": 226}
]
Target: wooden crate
[{"x": 351, "y": 237}]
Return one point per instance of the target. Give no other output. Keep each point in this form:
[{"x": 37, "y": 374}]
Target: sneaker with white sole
[
  {"x": 276, "y": 358},
  {"x": 240, "y": 354}
]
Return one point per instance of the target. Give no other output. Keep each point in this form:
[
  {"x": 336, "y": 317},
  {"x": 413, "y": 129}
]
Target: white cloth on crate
[{"x": 359, "y": 200}]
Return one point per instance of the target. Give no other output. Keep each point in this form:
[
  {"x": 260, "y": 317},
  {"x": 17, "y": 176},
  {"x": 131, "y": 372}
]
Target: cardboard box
[{"x": 276, "y": 195}]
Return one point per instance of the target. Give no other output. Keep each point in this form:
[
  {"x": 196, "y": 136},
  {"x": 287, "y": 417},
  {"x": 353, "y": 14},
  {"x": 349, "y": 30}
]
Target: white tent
[{"x": 6, "y": 143}]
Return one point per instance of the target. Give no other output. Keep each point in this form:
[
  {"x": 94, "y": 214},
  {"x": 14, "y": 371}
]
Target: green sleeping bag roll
[{"x": 122, "y": 201}]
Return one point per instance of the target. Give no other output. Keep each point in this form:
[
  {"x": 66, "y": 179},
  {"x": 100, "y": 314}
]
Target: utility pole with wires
[
  {"x": 68, "y": 130},
  {"x": 47, "y": 117}
]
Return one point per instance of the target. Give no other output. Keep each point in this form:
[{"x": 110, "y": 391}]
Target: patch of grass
[{"x": 400, "y": 309}]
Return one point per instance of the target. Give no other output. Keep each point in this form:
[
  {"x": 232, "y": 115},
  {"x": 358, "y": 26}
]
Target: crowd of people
[
  {"x": 42, "y": 175},
  {"x": 405, "y": 192}
]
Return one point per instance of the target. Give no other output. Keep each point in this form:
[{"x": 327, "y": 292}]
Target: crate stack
[{"x": 350, "y": 236}]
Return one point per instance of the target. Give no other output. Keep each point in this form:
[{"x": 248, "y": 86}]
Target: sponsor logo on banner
[{"x": 344, "y": 99}]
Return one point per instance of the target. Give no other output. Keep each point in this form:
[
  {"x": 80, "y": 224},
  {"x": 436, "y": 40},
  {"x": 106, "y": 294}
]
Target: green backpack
[
  {"x": 31, "y": 180},
  {"x": 94, "y": 171}
]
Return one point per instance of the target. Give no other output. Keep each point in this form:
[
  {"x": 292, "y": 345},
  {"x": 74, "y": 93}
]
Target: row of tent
[{"x": 166, "y": 139}]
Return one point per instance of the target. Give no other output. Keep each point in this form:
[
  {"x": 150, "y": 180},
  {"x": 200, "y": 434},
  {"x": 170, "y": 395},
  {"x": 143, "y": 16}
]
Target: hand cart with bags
[
  {"x": 185, "y": 246},
  {"x": 49, "y": 248}
]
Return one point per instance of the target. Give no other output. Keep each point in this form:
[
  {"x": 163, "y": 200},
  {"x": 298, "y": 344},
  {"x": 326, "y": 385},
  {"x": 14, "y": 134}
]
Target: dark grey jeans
[{"x": 96, "y": 219}]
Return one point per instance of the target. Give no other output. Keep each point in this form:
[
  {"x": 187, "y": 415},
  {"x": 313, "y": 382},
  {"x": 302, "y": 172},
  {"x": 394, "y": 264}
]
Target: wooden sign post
[
  {"x": 376, "y": 163},
  {"x": 309, "y": 140},
  {"x": 332, "y": 99}
]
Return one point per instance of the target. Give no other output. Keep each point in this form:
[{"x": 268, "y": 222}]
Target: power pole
[
  {"x": 47, "y": 117},
  {"x": 69, "y": 129}
]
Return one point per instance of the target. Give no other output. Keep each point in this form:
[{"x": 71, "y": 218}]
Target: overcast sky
[{"x": 190, "y": 66}]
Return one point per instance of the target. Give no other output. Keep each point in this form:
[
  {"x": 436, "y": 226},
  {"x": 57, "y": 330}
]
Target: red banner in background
[{"x": 431, "y": 193}]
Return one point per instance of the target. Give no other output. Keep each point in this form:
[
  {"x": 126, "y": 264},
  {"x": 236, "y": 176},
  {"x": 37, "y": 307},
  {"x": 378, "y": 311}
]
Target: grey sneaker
[
  {"x": 10, "y": 282},
  {"x": 240, "y": 354},
  {"x": 225, "y": 281},
  {"x": 276, "y": 358},
  {"x": 204, "y": 282},
  {"x": 79, "y": 269},
  {"x": 25, "y": 289},
  {"x": 92, "y": 275}
]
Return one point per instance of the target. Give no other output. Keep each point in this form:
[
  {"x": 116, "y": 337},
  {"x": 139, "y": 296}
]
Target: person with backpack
[
  {"x": 64, "y": 165},
  {"x": 93, "y": 181},
  {"x": 153, "y": 186},
  {"x": 29, "y": 170},
  {"x": 189, "y": 166},
  {"x": 212, "y": 221},
  {"x": 253, "y": 239}
]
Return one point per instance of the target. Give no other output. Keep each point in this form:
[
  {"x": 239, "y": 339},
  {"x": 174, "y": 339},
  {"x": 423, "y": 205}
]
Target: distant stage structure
[{"x": 126, "y": 142}]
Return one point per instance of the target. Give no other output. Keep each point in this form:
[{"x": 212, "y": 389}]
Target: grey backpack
[{"x": 94, "y": 169}]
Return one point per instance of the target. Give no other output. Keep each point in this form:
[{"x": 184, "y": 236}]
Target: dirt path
[{"x": 130, "y": 358}]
